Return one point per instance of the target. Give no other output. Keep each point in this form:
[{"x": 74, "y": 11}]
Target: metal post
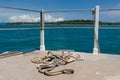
[
  {"x": 42, "y": 46},
  {"x": 96, "y": 28}
]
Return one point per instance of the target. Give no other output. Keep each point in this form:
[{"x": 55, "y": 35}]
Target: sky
[{"x": 7, "y": 15}]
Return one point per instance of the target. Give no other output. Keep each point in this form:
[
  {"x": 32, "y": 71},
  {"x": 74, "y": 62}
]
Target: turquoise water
[{"x": 71, "y": 39}]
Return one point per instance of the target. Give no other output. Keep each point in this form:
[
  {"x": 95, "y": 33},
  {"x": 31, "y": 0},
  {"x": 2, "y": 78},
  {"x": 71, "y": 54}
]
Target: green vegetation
[
  {"x": 89, "y": 22},
  {"x": 23, "y": 23}
]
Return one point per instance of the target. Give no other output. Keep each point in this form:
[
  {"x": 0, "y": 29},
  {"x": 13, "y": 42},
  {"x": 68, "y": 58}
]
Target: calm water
[{"x": 55, "y": 39}]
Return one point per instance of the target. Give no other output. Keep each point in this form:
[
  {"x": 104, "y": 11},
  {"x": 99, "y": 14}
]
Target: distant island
[{"x": 82, "y": 22}]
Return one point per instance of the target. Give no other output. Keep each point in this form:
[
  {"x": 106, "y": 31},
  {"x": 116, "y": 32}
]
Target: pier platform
[{"x": 93, "y": 67}]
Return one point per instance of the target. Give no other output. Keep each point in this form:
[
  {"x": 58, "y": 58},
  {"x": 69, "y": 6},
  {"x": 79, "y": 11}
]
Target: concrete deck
[{"x": 94, "y": 67}]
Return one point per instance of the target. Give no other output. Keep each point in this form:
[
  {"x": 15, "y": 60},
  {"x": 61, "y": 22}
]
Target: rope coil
[{"x": 51, "y": 61}]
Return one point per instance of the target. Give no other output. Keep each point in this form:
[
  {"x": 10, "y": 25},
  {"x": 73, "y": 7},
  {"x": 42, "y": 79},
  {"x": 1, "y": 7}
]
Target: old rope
[{"x": 50, "y": 61}]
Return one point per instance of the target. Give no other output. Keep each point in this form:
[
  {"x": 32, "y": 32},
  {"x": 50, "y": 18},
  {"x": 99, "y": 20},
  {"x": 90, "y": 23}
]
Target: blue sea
[{"x": 77, "y": 39}]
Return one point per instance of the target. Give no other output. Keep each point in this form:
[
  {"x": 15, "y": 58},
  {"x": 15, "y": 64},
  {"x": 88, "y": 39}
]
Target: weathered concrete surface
[{"x": 94, "y": 67}]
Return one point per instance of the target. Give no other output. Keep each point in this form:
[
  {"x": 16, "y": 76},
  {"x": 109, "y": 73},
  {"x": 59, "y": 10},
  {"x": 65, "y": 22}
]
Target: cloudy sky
[{"x": 7, "y": 15}]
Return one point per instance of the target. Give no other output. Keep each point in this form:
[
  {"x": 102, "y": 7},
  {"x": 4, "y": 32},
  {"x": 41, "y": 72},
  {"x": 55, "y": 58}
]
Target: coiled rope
[{"x": 51, "y": 61}]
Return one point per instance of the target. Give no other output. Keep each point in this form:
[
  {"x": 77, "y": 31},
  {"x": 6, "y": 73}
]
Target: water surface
[{"x": 78, "y": 39}]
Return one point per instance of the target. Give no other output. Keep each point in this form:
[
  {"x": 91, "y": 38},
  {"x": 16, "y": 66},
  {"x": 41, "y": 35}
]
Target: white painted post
[
  {"x": 42, "y": 45},
  {"x": 96, "y": 30}
]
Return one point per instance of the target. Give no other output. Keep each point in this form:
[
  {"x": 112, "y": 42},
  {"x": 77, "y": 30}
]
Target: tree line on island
[{"x": 89, "y": 22}]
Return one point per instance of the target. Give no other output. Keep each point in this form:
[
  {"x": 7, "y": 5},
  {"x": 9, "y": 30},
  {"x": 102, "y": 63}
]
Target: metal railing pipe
[
  {"x": 96, "y": 30},
  {"x": 42, "y": 42}
]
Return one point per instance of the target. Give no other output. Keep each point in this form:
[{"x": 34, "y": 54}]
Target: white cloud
[
  {"x": 32, "y": 18},
  {"x": 24, "y": 18},
  {"x": 49, "y": 18},
  {"x": 59, "y": 19}
]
